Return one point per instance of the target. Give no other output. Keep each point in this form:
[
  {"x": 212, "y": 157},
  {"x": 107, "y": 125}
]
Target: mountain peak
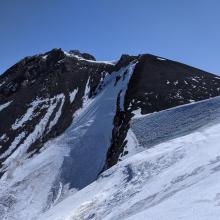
[{"x": 66, "y": 118}]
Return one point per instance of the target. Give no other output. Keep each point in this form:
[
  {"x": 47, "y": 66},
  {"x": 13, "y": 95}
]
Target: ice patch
[
  {"x": 132, "y": 146},
  {"x": 27, "y": 116},
  {"x": 178, "y": 95},
  {"x": 86, "y": 92},
  {"x": 160, "y": 58},
  {"x": 59, "y": 98},
  {"x": 194, "y": 79},
  {"x": 191, "y": 101},
  {"x": 1, "y": 84},
  {"x": 73, "y": 95},
  {"x": 2, "y": 137},
  {"x": 175, "y": 83},
  {"x": 19, "y": 154},
  {"x": 129, "y": 73},
  {"x": 3, "y": 106},
  {"x": 13, "y": 145},
  {"x": 44, "y": 57},
  {"x": 90, "y": 61}
]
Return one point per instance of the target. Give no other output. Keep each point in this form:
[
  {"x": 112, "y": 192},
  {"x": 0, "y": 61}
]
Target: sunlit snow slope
[{"x": 176, "y": 179}]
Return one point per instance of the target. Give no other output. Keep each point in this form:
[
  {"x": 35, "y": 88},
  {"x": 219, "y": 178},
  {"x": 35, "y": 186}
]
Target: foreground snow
[{"x": 176, "y": 179}]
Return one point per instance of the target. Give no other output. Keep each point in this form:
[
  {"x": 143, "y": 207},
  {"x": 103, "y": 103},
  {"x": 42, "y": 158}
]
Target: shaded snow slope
[
  {"x": 168, "y": 124},
  {"x": 176, "y": 179},
  {"x": 90, "y": 136}
]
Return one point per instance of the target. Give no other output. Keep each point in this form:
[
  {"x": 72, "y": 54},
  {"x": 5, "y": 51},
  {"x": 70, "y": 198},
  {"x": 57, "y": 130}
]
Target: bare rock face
[{"x": 40, "y": 95}]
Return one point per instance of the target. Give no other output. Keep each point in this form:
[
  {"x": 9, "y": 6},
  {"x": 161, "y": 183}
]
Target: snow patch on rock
[
  {"x": 73, "y": 95},
  {"x": 3, "y": 106}
]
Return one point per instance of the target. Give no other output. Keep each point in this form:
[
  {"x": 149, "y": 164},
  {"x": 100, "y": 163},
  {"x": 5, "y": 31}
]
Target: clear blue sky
[{"x": 184, "y": 30}]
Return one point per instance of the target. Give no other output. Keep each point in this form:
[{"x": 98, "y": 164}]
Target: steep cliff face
[{"x": 65, "y": 118}]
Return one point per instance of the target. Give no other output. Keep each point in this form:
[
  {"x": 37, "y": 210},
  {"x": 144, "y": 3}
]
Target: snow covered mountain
[
  {"x": 175, "y": 179},
  {"x": 77, "y": 140}
]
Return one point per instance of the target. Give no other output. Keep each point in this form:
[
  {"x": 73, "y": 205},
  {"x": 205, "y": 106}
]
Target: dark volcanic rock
[{"x": 160, "y": 84}]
